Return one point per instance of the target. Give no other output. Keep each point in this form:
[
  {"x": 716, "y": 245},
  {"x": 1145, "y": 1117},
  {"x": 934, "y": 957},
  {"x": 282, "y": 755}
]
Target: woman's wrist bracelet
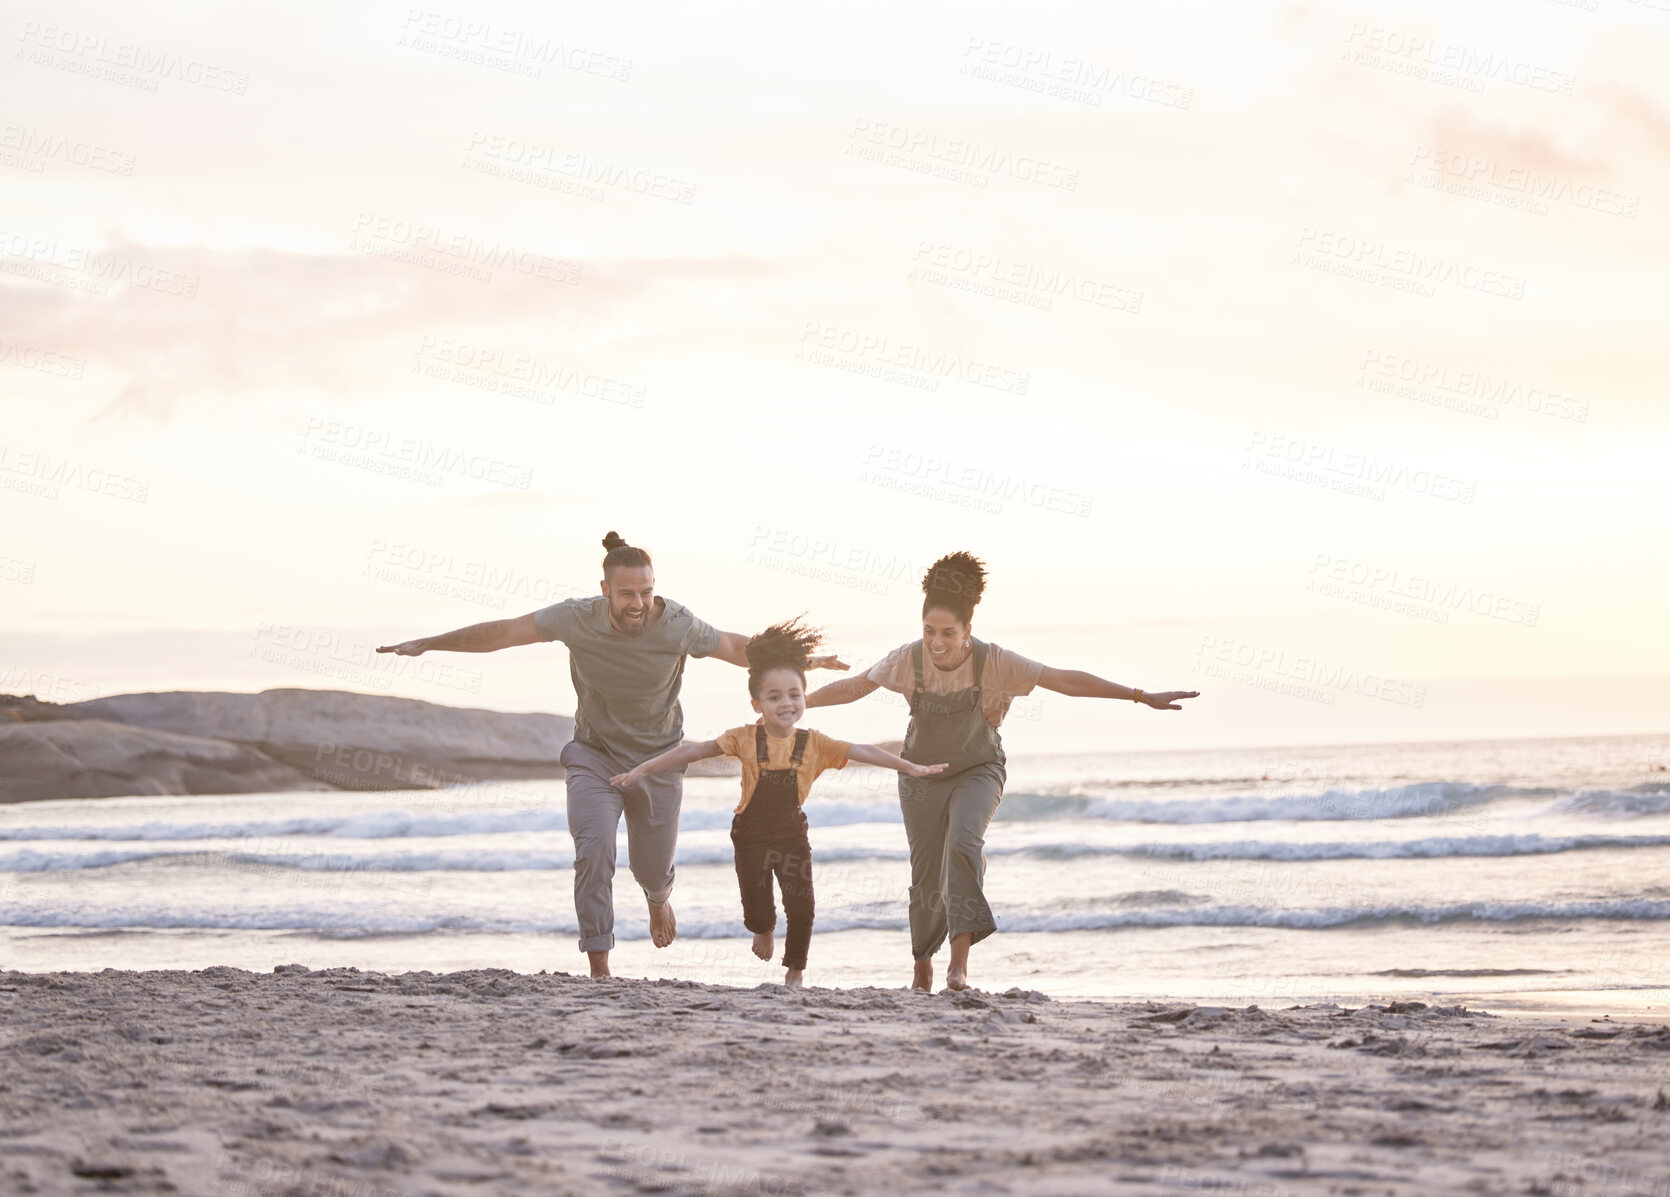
[{"x": 1136, "y": 695}]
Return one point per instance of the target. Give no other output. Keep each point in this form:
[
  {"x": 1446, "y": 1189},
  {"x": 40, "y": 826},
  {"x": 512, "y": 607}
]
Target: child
[{"x": 779, "y": 765}]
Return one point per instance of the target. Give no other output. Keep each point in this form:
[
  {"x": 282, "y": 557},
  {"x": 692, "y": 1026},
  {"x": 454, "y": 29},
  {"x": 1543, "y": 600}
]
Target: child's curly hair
[{"x": 786, "y": 645}]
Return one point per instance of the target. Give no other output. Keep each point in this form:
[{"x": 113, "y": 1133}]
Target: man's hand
[
  {"x": 916, "y": 770},
  {"x": 409, "y": 648},
  {"x": 1166, "y": 700},
  {"x": 829, "y": 662}
]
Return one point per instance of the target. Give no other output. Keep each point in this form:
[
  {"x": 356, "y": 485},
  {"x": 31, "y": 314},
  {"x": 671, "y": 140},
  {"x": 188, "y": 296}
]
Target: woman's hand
[
  {"x": 631, "y": 777},
  {"x": 827, "y": 662},
  {"x": 1166, "y": 700},
  {"x": 408, "y": 648},
  {"x": 916, "y": 770}
]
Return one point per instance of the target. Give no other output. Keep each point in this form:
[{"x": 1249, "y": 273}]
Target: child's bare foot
[
  {"x": 663, "y": 927},
  {"x": 765, "y": 943},
  {"x": 923, "y": 980},
  {"x": 796, "y": 979},
  {"x": 599, "y": 962}
]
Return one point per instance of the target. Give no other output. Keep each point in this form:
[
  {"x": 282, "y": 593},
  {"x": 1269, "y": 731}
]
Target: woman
[{"x": 959, "y": 689}]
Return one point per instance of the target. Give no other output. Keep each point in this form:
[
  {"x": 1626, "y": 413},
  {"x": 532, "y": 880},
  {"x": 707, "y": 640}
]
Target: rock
[
  {"x": 1168, "y": 1015},
  {"x": 1203, "y": 1014},
  {"x": 96, "y": 1170},
  {"x": 379, "y": 1156},
  {"x": 26, "y": 708},
  {"x": 202, "y": 742},
  {"x": 94, "y": 758},
  {"x": 356, "y": 741}
]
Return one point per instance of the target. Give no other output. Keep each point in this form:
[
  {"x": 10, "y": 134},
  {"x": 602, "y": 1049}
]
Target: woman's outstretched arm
[
  {"x": 848, "y": 689},
  {"x": 1075, "y": 683}
]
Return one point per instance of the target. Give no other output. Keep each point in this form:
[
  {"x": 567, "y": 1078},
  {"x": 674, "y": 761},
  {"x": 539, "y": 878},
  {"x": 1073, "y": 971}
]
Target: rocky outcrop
[
  {"x": 355, "y": 741},
  {"x": 93, "y": 758},
  {"x": 282, "y": 739}
]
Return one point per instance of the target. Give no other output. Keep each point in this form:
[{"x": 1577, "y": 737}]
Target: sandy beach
[{"x": 348, "y": 1082}]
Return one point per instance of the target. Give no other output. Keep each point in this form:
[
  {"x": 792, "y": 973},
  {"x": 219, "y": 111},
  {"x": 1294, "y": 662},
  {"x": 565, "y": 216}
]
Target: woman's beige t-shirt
[{"x": 1007, "y": 676}]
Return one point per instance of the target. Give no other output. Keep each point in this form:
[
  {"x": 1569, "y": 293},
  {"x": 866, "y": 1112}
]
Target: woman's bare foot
[
  {"x": 765, "y": 943},
  {"x": 923, "y": 980},
  {"x": 956, "y": 972},
  {"x": 599, "y": 963},
  {"x": 796, "y": 979},
  {"x": 663, "y": 927}
]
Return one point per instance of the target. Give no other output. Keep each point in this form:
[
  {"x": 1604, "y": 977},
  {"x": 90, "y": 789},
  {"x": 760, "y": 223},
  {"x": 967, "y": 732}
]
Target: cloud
[
  {"x": 1636, "y": 122},
  {"x": 1532, "y": 147},
  {"x": 263, "y": 320}
]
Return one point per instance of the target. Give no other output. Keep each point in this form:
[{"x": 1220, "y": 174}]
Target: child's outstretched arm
[
  {"x": 674, "y": 758},
  {"x": 869, "y": 754}
]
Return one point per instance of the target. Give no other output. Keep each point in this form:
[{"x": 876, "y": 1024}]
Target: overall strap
[
  {"x": 761, "y": 753},
  {"x": 980, "y": 647},
  {"x": 800, "y": 738},
  {"x": 916, "y": 661}
]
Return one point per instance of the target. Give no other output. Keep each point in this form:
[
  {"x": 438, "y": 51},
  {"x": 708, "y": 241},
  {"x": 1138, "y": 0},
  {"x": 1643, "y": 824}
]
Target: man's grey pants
[{"x": 594, "y": 810}]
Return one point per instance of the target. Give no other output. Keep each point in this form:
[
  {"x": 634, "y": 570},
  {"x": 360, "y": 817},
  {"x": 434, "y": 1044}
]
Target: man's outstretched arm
[{"x": 487, "y": 637}]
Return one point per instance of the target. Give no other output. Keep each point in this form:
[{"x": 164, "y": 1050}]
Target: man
[{"x": 626, "y": 656}]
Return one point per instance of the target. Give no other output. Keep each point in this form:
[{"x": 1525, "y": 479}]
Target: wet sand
[{"x": 345, "y": 1082}]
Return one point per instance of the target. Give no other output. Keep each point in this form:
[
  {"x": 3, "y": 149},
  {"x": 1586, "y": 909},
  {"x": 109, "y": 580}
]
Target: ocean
[{"x": 1509, "y": 873}]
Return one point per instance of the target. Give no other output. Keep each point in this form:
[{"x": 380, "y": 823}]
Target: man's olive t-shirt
[{"x": 627, "y": 685}]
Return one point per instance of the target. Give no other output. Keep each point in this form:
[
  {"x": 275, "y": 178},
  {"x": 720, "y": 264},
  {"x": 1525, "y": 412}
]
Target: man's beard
[{"x": 632, "y": 629}]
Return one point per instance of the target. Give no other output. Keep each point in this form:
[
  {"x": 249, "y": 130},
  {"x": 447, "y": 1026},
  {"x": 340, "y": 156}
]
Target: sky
[{"x": 1301, "y": 354}]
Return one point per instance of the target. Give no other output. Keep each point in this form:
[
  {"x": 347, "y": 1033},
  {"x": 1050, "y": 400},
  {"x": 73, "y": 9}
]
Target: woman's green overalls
[{"x": 946, "y": 815}]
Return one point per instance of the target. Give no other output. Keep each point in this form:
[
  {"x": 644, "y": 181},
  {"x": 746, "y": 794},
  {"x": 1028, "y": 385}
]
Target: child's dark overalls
[{"x": 770, "y": 837}]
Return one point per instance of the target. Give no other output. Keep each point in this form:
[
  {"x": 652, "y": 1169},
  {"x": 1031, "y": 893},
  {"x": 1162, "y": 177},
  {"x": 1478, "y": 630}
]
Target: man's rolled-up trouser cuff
[
  {"x": 659, "y": 897},
  {"x": 598, "y": 943}
]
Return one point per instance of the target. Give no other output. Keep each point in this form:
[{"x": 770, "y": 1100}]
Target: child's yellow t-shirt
[{"x": 821, "y": 753}]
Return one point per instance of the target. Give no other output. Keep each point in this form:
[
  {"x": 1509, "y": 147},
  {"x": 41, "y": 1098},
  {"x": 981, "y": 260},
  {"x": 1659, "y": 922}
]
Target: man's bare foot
[
  {"x": 765, "y": 943},
  {"x": 956, "y": 972},
  {"x": 599, "y": 963},
  {"x": 923, "y": 980},
  {"x": 663, "y": 927},
  {"x": 796, "y": 979}
]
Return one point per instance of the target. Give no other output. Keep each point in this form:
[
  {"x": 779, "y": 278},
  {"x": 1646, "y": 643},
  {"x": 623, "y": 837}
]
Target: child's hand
[
  {"x": 926, "y": 770},
  {"x": 626, "y": 780}
]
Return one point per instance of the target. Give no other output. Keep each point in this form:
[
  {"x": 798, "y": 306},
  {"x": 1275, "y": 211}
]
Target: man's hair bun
[{"x": 620, "y": 553}]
